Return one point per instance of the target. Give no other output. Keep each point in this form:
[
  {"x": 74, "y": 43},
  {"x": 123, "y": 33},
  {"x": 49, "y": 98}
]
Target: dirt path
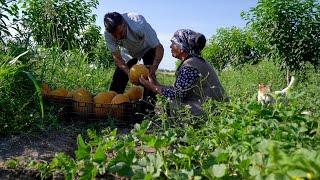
[{"x": 43, "y": 146}]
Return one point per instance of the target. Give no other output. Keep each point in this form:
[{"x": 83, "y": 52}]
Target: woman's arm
[{"x": 187, "y": 78}]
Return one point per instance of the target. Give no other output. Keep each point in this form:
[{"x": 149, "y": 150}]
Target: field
[
  {"x": 59, "y": 43},
  {"x": 240, "y": 139}
]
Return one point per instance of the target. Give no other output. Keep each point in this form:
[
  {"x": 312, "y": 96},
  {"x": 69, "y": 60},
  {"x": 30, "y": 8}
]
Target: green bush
[
  {"x": 58, "y": 23},
  {"x": 232, "y": 47},
  {"x": 291, "y": 29},
  {"x": 20, "y": 110}
]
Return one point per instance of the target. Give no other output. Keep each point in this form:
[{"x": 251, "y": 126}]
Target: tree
[
  {"x": 7, "y": 9},
  {"x": 58, "y": 22},
  {"x": 232, "y": 47},
  {"x": 291, "y": 28}
]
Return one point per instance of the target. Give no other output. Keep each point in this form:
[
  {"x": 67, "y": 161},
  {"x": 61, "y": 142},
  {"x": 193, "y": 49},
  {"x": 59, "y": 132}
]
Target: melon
[
  {"x": 83, "y": 100},
  {"x": 135, "y": 93},
  {"x": 136, "y": 71},
  {"x": 70, "y": 94},
  {"x": 60, "y": 92},
  {"x": 117, "y": 109},
  {"x": 119, "y": 99},
  {"x": 100, "y": 99},
  {"x": 45, "y": 89}
]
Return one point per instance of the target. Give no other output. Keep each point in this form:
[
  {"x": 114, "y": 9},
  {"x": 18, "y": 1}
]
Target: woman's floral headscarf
[{"x": 186, "y": 40}]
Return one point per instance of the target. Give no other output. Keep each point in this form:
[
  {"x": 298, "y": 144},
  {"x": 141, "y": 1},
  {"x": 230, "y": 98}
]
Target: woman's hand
[{"x": 149, "y": 83}]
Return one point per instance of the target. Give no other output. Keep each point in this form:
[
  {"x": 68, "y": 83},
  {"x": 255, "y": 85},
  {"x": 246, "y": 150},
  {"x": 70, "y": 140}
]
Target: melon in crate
[
  {"x": 119, "y": 99},
  {"x": 117, "y": 105},
  {"x": 100, "y": 101},
  {"x": 45, "y": 89},
  {"x": 59, "y": 93},
  {"x": 82, "y": 101},
  {"x": 135, "y": 93},
  {"x": 136, "y": 71}
]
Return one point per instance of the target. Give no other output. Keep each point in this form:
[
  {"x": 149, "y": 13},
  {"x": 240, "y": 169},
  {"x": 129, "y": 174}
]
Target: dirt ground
[{"x": 42, "y": 146}]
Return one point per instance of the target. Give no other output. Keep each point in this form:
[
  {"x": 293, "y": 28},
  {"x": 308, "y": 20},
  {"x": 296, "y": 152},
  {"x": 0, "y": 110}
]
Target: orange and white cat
[{"x": 265, "y": 96}]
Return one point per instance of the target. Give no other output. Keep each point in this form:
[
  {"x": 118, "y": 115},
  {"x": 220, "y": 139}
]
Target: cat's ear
[{"x": 261, "y": 85}]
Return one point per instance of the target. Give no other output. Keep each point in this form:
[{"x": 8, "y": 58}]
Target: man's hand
[{"x": 120, "y": 62}]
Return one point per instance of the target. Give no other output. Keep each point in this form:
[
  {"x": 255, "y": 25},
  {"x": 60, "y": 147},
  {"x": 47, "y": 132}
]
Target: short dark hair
[{"x": 112, "y": 20}]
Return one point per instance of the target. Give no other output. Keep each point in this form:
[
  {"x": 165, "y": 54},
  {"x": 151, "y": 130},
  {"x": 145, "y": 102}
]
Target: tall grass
[
  {"x": 19, "y": 107},
  {"x": 71, "y": 70}
]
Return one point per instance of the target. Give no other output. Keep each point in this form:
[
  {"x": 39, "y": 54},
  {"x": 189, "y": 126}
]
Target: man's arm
[
  {"x": 157, "y": 59},
  {"x": 113, "y": 47},
  {"x": 120, "y": 62}
]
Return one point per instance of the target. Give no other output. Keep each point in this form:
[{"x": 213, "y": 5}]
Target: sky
[{"x": 167, "y": 16}]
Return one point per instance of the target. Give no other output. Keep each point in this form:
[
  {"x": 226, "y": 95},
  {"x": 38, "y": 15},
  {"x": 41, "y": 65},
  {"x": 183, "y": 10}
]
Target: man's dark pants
[{"x": 120, "y": 78}]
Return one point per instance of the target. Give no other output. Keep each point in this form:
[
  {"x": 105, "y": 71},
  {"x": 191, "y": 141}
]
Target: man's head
[{"x": 115, "y": 25}]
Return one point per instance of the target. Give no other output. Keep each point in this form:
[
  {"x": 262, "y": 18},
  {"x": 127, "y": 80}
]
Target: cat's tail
[{"x": 284, "y": 91}]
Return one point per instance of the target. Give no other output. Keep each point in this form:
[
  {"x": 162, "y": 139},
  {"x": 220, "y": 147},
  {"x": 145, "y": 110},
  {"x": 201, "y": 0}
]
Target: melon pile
[{"x": 85, "y": 103}]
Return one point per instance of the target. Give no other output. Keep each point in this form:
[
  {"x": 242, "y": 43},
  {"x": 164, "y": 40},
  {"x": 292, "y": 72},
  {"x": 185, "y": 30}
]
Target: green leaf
[
  {"x": 38, "y": 90},
  {"x": 99, "y": 156},
  {"x": 219, "y": 170},
  {"x": 216, "y": 171},
  {"x": 83, "y": 152}
]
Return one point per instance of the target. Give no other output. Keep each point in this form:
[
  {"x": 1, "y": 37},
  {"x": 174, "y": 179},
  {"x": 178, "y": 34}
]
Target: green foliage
[
  {"x": 6, "y": 10},
  {"x": 232, "y": 47},
  {"x": 18, "y": 90},
  {"x": 237, "y": 140},
  {"x": 71, "y": 69},
  {"x": 291, "y": 29},
  {"x": 246, "y": 140},
  {"x": 243, "y": 83},
  {"x": 17, "y": 95},
  {"x": 94, "y": 44},
  {"x": 59, "y": 23}
]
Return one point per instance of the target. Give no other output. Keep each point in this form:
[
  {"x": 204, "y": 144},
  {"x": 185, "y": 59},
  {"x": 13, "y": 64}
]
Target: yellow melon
[
  {"x": 117, "y": 109},
  {"x": 135, "y": 93},
  {"x": 59, "y": 92},
  {"x": 119, "y": 99},
  {"x": 83, "y": 100},
  {"x": 45, "y": 89},
  {"x": 102, "y": 98},
  {"x": 136, "y": 71},
  {"x": 70, "y": 94}
]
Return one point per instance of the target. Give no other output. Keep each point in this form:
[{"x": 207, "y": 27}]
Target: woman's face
[{"x": 176, "y": 51}]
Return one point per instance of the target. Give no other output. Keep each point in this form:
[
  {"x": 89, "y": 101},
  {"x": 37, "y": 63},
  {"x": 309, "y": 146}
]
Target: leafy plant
[
  {"x": 232, "y": 47},
  {"x": 7, "y": 9},
  {"x": 291, "y": 29},
  {"x": 58, "y": 23}
]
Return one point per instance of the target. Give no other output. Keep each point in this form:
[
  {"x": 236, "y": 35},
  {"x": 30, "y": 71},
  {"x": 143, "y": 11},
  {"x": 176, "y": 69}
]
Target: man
[{"x": 130, "y": 37}]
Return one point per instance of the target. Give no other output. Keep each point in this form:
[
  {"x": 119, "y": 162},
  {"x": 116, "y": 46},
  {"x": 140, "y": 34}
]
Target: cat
[{"x": 265, "y": 96}]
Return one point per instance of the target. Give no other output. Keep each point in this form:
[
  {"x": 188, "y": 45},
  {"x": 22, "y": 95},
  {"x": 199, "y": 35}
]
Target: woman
[{"x": 196, "y": 80}]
